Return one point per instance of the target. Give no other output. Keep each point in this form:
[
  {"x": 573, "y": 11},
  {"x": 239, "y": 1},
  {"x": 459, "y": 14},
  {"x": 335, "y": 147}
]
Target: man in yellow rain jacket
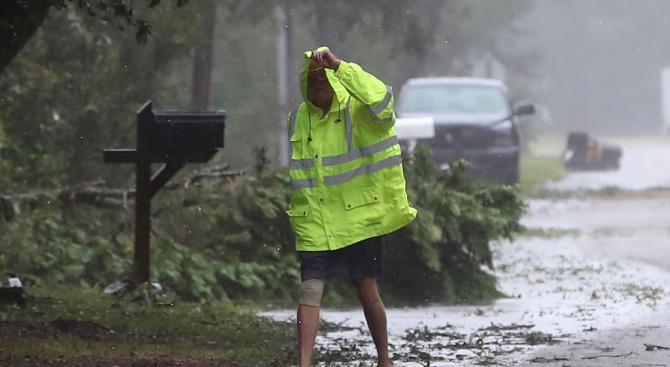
[{"x": 348, "y": 188}]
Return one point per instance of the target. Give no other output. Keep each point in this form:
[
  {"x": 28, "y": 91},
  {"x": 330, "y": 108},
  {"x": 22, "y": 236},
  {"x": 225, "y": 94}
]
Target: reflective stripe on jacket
[{"x": 346, "y": 167}]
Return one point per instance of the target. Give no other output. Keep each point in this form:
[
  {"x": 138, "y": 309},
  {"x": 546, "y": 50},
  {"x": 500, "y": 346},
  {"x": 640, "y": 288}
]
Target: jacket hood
[{"x": 341, "y": 93}]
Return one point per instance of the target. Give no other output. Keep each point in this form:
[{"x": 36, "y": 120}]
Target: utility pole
[
  {"x": 665, "y": 100},
  {"x": 282, "y": 91},
  {"x": 202, "y": 62}
]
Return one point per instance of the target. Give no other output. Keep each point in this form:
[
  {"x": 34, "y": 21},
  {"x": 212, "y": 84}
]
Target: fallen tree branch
[
  {"x": 498, "y": 327},
  {"x": 609, "y": 356},
  {"x": 548, "y": 360},
  {"x": 651, "y": 347},
  {"x": 93, "y": 193}
]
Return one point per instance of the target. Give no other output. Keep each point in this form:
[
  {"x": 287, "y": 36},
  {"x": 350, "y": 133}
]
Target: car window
[{"x": 453, "y": 99}]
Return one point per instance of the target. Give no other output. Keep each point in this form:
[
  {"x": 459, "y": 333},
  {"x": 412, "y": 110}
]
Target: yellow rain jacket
[{"x": 346, "y": 168}]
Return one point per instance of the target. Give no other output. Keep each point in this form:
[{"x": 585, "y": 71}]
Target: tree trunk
[{"x": 19, "y": 20}]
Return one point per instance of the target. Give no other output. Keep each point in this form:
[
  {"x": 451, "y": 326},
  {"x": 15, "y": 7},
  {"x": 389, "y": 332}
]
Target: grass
[
  {"x": 550, "y": 233},
  {"x": 538, "y": 170},
  {"x": 541, "y": 163},
  {"x": 80, "y": 324}
]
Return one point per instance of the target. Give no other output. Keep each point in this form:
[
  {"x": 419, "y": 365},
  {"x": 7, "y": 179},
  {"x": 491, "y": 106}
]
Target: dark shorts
[{"x": 361, "y": 260}]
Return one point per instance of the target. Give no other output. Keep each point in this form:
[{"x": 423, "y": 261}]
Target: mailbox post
[{"x": 173, "y": 138}]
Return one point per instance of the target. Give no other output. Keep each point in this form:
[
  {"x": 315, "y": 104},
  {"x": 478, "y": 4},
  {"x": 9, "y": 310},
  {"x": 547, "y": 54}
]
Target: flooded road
[
  {"x": 625, "y": 222},
  {"x": 620, "y": 225},
  {"x": 588, "y": 285}
]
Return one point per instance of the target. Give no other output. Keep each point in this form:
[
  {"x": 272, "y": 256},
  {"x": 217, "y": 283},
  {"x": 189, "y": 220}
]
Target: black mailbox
[
  {"x": 190, "y": 136},
  {"x": 173, "y": 138}
]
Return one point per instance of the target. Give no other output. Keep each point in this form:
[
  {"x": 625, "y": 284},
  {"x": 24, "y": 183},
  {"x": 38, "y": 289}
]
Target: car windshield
[{"x": 453, "y": 99}]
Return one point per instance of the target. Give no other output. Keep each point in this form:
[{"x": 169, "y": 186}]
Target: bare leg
[
  {"x": 308, "y": 325},
  {"x": 375, "y": 315}
]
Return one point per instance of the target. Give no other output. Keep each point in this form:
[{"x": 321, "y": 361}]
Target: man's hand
[{"x": 326, "y": 59}]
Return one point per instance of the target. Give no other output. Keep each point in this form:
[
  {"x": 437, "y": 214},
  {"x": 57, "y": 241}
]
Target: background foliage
[{"x": 67, "y": 98}]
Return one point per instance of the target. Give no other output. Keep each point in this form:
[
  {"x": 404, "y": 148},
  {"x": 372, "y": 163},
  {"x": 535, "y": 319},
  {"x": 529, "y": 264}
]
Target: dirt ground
[
  {"x": 116, "y": 362},
  {"x": 95, "y": 332}
]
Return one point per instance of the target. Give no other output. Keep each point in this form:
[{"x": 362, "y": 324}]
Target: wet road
[
  {"x": 631, "y": 226},
  {"x": 590, "y": 288}
]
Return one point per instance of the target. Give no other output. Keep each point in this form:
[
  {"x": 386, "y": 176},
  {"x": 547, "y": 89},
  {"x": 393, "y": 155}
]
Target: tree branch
[
  {"x": 19, "y": 20},
  {"x": 93, "y": 193}
]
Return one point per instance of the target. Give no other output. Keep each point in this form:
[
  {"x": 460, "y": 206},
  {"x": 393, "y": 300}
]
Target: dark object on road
[{"x": 584, "y": 153}]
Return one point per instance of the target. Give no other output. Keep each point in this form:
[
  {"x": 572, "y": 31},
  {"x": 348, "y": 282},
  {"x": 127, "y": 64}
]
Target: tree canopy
[{"x": 20, "y": 19}]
